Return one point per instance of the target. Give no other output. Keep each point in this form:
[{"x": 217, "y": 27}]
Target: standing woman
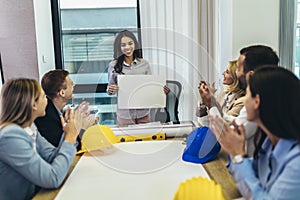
[
  {"x": 27, "y": 160},
  {"x": 128, "y": 60},
  {"x": 272, "y": 102}
]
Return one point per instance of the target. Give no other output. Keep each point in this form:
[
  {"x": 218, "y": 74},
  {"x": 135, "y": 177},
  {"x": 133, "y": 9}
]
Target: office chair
[{"x": 170, "y": 112}]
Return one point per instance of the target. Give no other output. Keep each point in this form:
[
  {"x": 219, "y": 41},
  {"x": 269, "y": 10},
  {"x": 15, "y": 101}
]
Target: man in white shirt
[{"x": 251, "y": 58}]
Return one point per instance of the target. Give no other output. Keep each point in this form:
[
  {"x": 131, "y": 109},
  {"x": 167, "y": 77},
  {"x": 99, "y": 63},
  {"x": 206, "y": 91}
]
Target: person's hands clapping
[
  {"x": 212, "y": 88},
  {"x": 233, "y": 139},
  {"x": 112, "y": 89},
  {"x": 205, "y": 93},
  {"x": 69, "y": 127},
  {"x": 89, "y": 121},
  {"x": 83, "y": 120}
]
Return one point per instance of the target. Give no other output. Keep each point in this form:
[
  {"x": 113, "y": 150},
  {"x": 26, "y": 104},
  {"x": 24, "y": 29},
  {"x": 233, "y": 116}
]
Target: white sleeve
[
  {"x": 228, "y": 118},
  {"x": 250, "y": 129}
]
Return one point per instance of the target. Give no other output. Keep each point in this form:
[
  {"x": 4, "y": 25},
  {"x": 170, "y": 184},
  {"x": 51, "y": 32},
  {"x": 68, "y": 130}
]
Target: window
[
  {"x": 297, "y": 54},
  {"x": 87, "y": 32}
]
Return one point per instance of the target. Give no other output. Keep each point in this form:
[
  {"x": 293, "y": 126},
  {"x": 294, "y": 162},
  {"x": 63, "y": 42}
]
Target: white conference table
[{"x": 133, "y": 170}]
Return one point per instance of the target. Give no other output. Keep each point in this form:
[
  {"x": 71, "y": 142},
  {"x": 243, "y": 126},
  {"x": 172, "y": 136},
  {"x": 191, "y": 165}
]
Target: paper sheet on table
[{"x": 141, "y": 91}]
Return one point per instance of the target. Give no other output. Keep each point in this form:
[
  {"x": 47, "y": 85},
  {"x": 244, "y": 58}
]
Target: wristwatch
[{"x": 237, "y": 158}]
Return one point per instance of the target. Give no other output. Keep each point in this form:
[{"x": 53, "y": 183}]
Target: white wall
[
  {"x": 252, "y": 22},
  {"x": 255, "y": 21},
  {"x": 17, "y": 39},
  {"x": 225, "y": 26},
  {"x": 26, "y": 41},
  {"x": 44, "y": 36}
]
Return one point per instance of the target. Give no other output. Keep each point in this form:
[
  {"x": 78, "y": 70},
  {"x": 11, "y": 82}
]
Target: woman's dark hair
[
  {"x": 118, "y": 55},
  {"x": 279, "y": 91},
  {"x": 259, "y": 139}
]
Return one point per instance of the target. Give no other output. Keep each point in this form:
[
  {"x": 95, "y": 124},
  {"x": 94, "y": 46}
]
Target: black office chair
[{"x": 170, "y": 112}]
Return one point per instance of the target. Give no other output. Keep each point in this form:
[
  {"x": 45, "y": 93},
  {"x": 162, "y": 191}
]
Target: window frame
[
  {"x": 84, "y": 89},
  {"x": 57, "y": 33}
]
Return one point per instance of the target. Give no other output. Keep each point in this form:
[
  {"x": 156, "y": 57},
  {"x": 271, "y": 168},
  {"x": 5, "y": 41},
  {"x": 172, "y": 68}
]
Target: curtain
[
  {"x": 287, "y": 33},
  {"x": 180, "y": 41}
]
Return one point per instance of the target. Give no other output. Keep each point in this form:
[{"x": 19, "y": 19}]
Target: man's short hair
[
  {"x": 258, "y": 55},
  {"x": 53, "y": 81}
]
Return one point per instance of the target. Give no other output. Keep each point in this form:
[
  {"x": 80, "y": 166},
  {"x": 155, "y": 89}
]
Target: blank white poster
[{"x": 141, "y": 91}]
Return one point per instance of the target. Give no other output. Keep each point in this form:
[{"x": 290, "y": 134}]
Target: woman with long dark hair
[{"x": 128, "y": 60}]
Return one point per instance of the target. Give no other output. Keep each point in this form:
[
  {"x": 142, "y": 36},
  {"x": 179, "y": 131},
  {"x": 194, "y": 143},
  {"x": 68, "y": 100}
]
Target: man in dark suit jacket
[
  {"x": 50, "y": 125},
  {"x": 58, "y": 88}
]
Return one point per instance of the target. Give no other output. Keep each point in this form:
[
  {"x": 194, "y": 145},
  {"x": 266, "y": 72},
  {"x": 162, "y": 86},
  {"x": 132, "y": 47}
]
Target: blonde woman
[
  {"x": 27, "y": 160},
  {"x": 230, "y": 101}
]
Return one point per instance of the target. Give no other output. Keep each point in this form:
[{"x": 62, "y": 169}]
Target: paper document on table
[{"x": 141, "y": 91}]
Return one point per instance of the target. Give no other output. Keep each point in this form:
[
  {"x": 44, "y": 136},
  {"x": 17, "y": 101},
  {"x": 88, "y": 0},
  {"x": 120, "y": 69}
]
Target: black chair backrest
[{"x": 170, "y": 113}]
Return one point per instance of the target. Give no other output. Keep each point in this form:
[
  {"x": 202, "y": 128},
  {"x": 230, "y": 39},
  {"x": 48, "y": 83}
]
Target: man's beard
[{"x": 242, "y": 82}]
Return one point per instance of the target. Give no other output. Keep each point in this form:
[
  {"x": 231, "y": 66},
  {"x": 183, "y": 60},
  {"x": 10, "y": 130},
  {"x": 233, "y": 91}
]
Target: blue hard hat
[{"x": 201, "y": 147}]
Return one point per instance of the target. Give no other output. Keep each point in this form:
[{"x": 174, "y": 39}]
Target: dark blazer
[{"x": 50, "y": 126}]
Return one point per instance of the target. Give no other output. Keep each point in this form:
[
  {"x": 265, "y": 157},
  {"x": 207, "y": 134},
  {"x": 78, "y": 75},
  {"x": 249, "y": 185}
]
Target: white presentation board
[{"x": 141, "y": 91}]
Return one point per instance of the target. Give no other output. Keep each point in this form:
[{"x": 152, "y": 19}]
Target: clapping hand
[
  {"x": 89, "y": 121},
  {"x": 232, "y": 139},
  {"x": 206, "y": 93},
  {"x": 69, "y": 127},
  {"x": 83, "y": 119}
]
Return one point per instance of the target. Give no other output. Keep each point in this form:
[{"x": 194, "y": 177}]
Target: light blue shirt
[
  {"x": 275, "y": 175},
  {"x": 25, "y": 165}
]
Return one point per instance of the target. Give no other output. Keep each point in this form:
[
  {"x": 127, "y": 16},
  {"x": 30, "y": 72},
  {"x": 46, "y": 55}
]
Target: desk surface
[{"x": 216, "y": 170}]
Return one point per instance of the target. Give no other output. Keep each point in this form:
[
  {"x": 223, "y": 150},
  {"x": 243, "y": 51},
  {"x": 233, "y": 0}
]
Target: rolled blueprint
[{"x": 171, "y": 130}]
